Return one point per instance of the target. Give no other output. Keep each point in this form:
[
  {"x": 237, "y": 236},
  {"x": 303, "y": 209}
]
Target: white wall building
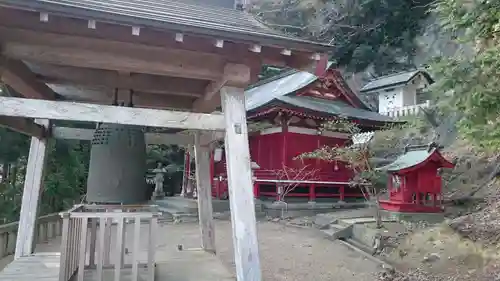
[{"x": 400, "y": 94}]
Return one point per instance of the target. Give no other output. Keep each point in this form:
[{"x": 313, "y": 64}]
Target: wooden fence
[
  {"x": 88, "y": 232},
  {"x": 48, "y": 227}
]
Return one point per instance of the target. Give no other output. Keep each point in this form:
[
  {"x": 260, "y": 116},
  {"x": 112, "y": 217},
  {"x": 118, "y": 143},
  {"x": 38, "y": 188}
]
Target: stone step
[{"x": 337, "y": 231}]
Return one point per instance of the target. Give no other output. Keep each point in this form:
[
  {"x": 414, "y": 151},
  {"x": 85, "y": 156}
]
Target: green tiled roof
[{"x": 408, "y": 160}]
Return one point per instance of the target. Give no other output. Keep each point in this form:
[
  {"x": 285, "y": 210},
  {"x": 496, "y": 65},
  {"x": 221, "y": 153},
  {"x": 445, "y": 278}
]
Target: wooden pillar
[
  {"x": 241, "y": 197},
  {"x": 33, "y": 182},
  {"x": 187, "y": 168},
  {"x": 204, "y": 192}
]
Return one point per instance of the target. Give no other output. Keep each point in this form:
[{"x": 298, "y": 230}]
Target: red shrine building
[
  {"x": 295, "y": 104},
  {"x": 414, "y": 184}
]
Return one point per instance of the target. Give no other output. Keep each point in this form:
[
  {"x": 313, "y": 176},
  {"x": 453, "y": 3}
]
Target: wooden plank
[
  {"x": 72, "y": 111},
  {"x": 64, "y": 247},
  {"x": 23, "y": 126},
  {"x": 83, "y": 249},
  {"x": 31, "y": 194},
  {"x": 136, "y": 250},
  {"x": 93, "y": 240},
  {"x": 153, "y": 227},
  {"x": 246, "y": 252},
  {"x": 151, "y": 138},
  {"x": 68, "y": 75},
  {"x": 118, "y": 249},
  {"x": 234, "y": 75},
  {"x": 168, "y": 63},
  {"x": 18, "y": 76},
  {"x": 107, "y": 241},
  {"x": 204, "y": 192},
  {"x": 41, "y": 267},
  {"x": 97, "y": 95},
  {"x": 102, "y": 260}
]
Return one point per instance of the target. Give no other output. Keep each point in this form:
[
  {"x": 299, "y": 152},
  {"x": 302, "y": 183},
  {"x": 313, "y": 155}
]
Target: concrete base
[
  {"x": 274, "y": 209},
  {"x": 189, "y": 205},
  {"x": 181, "y": 209},
  {"x": 158, "y": 195},
  {"x": 414, "y": 217}
]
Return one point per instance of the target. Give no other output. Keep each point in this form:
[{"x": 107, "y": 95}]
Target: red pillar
[
  {"x": 342, "y": 193},
  {"x": 212, "y": 171},
  {"x": 256, "y": 190},
  {"x": 312, "y": 193}
]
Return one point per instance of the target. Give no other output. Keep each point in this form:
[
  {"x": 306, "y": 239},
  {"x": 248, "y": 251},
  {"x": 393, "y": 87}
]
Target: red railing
[{"x": 267, "y": 177}]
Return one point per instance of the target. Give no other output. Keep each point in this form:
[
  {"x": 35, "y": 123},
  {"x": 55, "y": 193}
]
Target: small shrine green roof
[
  {"x": 178, "y": 15},
  {"x": 408, "y": 160}
]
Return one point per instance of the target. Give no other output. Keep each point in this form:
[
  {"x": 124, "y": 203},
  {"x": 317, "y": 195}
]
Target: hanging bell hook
[
  {"x": 115, "y": 97},
  {"x": 131, "y": 98}
]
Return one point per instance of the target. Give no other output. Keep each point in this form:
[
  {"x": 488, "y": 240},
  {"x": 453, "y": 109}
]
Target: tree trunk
[
  {"x": 378, "y": 214},
  {"x": 5, "y": 171}
]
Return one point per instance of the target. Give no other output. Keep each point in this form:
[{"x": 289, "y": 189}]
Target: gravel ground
[{"x": 286, "y": 253}]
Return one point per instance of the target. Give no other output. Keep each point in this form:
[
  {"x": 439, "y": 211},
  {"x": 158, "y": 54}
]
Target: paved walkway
[{"x": 287, "y": 253}]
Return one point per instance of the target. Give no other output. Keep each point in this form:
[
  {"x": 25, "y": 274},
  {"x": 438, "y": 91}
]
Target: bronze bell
[{"x": 117, "y": 166}]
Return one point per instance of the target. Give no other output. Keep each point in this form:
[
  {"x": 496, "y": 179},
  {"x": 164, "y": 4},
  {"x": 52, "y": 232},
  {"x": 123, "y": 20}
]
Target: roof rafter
[{"x": 20, "y": 78}]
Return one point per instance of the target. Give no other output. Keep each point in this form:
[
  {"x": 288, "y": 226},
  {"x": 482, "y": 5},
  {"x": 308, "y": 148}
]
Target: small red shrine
[
  {"x": 414, "y": 184},
  {"x": 295, "y": 104}
]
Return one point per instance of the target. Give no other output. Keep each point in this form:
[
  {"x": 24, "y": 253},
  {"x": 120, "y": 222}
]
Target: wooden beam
[
  {"x": 234, "y": 75},
  {"x": 105, "y": 96},
  {"x": 17, "y": 26},
  {"x": 23, "y": 126},
  {"x": 72, "y": 111},
  {"x": 204, "y": 192},
  {"x": 63, "y": 75},
  {"x": 246, "y": 250},
  {"x": 169, "y": 63},
  {"x": 151, "y": 138},
  {"x": 18, "y": 76},
  {"x": 33, "y": 183}
]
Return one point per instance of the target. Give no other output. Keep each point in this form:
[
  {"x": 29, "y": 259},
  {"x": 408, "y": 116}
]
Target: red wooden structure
[
  {"x": 414, "y": 184},
  {"x": 295, "y": 103}
]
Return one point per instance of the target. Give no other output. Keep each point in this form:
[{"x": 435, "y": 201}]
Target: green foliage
[
  {"x": 362, "y": 32},
  {"x": 65, "y": 175},
  {"x": 469, "y": 83}
]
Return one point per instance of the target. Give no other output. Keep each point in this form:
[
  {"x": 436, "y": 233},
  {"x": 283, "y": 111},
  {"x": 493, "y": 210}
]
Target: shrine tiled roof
[
  {"x": 338, "y": 108},
  {"x": 283, "y": 87},
  {"x": 278, "y": 86},
  {"x": 393, "y": 80},
  {"x": 178, "y": 15},
  {"x": 408, "y": 160},
  {"x": 415, "y": 155}
]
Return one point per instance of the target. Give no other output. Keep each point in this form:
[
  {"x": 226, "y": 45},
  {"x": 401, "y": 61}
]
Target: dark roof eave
[
  {"x": 278, "y": 103},
  {"x": 382, "y": 87},
  {"x": 427, "y": 76},
  {"x": 294, "y": 43}
]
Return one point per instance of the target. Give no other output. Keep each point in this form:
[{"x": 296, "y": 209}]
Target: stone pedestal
[{"x": 158, "y": 195}]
